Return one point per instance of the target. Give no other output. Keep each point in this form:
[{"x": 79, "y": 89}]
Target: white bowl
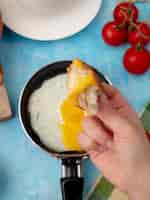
[{"x": 48, "y": 19}]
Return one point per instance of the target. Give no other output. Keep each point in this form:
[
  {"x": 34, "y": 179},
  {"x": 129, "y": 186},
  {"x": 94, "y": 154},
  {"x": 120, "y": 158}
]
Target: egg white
[{"x": 44, "y": 108}]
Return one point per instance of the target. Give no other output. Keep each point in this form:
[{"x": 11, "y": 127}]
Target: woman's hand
[{"x": 117, "y": 145}]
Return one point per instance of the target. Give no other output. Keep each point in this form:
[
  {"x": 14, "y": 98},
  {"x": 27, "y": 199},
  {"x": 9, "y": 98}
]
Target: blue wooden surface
[{"x": 27, "y": 173}]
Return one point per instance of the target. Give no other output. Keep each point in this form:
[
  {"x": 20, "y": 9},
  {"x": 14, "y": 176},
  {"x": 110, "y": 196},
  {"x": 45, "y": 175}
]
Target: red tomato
[
  {"x": 114, "y": 33},
  {"x": 137, "y": 60},
  {"x": 140, "y": 34},
  {"x": 126, "y": 12}
]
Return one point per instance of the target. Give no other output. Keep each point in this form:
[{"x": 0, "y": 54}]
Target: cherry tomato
[
  {"x": 126, "y": 12},
  {"x": 137, "y": 60},
  {"x": 114, "y": 33},
  {"x": 139, "y": 34}
]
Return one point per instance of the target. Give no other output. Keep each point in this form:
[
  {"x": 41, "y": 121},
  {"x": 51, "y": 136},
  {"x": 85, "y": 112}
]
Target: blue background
[{"x": 27, "y": 173}]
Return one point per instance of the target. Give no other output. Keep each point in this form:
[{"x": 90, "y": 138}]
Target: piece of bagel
[{"x": 78, "y": 72}]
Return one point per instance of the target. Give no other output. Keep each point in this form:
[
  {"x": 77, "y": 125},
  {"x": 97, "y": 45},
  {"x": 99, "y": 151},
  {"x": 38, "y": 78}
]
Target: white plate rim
[{"x": 57, "y": 37}]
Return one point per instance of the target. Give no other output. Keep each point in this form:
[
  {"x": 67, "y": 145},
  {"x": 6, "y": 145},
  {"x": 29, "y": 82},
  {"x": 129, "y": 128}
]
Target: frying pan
[{"x": 71, "y": 180}]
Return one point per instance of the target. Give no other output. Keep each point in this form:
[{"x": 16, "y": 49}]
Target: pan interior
[{"x": 35, "y": 83}]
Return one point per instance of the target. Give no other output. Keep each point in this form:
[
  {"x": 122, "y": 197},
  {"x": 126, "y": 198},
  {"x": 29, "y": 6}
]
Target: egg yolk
[{"x": 71, "y": 113}]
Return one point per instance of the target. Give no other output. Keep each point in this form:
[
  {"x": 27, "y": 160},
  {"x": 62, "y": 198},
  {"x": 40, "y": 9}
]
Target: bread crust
[
  {"x": 88, "y": 100},
  {"x": 73, "y": 73}
]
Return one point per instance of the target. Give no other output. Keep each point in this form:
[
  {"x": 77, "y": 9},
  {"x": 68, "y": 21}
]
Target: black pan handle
[
  {"x": 72, "y": 188},
  {"x": 71, "y": 181}
]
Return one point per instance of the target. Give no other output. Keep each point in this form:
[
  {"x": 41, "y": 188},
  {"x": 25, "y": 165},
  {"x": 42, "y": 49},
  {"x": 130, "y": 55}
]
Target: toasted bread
[
  {"x": 88, "y": 98},
  {"x": 79, "y": 68}
]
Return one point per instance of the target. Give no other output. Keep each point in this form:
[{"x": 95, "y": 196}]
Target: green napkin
[
  {"x": 103, "y": 189},
  {"x": 145, "y": 117}
]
